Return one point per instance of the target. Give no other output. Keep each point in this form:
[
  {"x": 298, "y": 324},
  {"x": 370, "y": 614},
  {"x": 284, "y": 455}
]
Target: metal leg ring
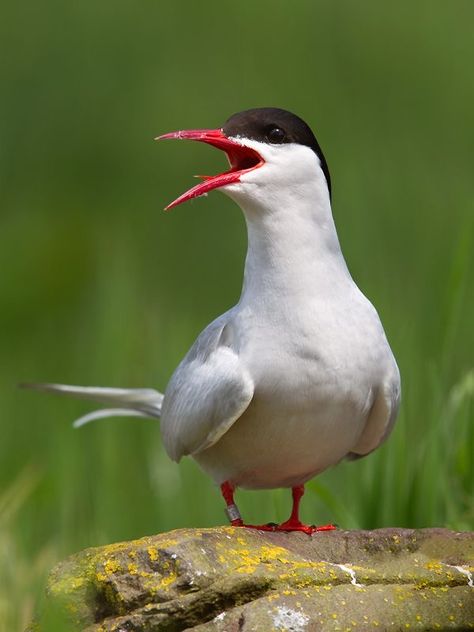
[{"x": 233, "y": 512}]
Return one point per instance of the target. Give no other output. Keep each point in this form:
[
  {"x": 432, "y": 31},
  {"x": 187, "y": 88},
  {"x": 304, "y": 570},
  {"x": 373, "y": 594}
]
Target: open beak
[{"x": 242, "y": 159}]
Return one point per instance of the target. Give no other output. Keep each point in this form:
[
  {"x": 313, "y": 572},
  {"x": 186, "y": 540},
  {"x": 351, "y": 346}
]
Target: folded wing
[{"x": 208, "y": 392}]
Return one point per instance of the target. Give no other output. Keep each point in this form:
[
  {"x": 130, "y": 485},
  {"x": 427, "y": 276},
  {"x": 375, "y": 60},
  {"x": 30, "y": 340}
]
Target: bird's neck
[{"x": 293, "y": 249}]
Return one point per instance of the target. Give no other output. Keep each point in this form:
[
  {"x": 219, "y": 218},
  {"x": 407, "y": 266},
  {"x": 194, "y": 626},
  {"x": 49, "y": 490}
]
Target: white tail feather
[
  {"x": 107, "y": 412},
  {"x": 136, "y": 402}
]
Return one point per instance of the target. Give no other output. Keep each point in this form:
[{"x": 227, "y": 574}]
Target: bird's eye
[{"x": 276, "y": 135}]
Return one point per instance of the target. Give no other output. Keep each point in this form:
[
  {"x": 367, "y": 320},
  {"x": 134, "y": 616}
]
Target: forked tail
[{"x": 130, "y": 402}]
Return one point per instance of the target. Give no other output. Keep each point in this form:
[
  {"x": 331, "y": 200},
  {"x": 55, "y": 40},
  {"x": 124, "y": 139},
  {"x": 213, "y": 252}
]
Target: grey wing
[
  {"x": 207, "y": 393},
  {"x": 381, "y": 417}
]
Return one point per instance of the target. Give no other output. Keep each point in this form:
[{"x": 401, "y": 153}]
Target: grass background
[{"x": 98, "y": 286}]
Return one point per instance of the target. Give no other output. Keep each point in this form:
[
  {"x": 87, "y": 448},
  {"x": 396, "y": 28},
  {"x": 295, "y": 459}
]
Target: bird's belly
[{"x": 280, "y": 442}]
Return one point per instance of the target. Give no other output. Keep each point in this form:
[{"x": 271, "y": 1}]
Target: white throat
[{"x": 293, "y": 248}]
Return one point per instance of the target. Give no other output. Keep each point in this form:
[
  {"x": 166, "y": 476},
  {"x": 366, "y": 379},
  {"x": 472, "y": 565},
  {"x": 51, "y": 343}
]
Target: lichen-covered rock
[{"x": 233, "y": 579}]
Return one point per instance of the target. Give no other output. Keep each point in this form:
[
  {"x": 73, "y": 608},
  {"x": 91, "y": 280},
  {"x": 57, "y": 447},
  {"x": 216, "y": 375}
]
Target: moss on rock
[{"x": 226, "y": 579}]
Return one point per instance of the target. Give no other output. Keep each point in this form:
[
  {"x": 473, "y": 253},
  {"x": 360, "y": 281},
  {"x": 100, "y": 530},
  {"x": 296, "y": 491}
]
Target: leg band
[{"x": 233, "y": 512}]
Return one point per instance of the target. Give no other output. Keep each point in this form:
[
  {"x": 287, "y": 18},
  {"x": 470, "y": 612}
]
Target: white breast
[{"x": 311, "y": 342}]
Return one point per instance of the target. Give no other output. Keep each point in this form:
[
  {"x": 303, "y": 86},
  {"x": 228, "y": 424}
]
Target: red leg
[
  {"x": 294, "y": 523},
  {"x": 233, "y": 512}
]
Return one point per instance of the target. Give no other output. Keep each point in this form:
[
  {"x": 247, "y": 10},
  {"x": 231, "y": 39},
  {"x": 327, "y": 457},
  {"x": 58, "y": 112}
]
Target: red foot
[
  {"x": 260, "y": 527},
  {"x": 287, "y": 526},
  {"x": 292, "y": 524}
]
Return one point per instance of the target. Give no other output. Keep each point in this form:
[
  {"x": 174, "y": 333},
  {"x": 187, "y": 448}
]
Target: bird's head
[{"x": 269, "y": 151}]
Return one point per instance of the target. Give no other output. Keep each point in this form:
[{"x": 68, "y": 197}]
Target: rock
[{"x": 232, "y": 579}]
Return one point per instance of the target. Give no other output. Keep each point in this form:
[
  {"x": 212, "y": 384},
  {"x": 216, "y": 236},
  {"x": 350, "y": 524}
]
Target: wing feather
[
  {"x": 381, "y": 417},
  {"x": 208, "y": 392}
]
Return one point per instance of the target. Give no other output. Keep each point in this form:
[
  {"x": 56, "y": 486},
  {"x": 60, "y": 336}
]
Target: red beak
[{"x": 241, "y": 159}]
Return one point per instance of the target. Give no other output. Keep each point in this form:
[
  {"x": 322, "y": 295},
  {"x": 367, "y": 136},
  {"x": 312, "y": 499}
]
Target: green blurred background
[{"x": 99, "y": 286}]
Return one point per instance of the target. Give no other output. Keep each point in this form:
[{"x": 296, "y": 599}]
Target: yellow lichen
[
  {"x": 168, "y": 580},
  {"x": 434, "y": 566},
  {"x": 154, "y": 583},
  {"x": 273, "y": 596},
  {"x": 111, "y": 566},
  {"x": 153, "y": 553}
]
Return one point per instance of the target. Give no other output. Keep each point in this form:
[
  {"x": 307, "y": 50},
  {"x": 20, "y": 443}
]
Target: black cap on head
[{"x": 276, "y": 127}]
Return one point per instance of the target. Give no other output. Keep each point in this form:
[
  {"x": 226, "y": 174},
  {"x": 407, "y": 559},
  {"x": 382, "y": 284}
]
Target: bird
[{"x": 298, "y": 375}]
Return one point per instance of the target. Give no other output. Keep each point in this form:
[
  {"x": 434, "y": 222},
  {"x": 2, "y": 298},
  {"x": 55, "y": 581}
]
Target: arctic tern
[{"x": 298, "y": 374}]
